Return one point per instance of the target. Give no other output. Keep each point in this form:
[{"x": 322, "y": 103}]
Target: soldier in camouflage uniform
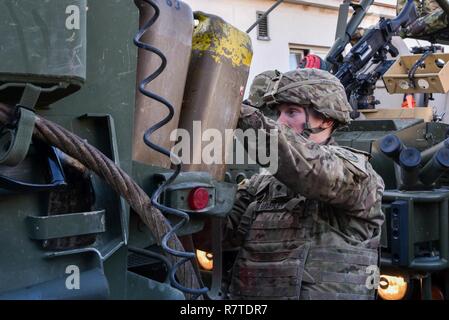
[
  {"x": 312, "y": 229},
  {"x": 431, "y": 19}
]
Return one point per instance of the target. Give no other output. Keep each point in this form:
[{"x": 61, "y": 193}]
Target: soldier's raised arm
[{"x": 331, "y": 174}]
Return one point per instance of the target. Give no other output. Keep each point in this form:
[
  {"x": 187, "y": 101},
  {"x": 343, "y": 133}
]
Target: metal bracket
[
  {"x": 221, "y": 192},
  {"x": 215, "y": 292},
  {"x": 399, "y": 232},
  {"x": 115, "y": 155},
  {"x": 403, "y": 244},
  {"x": 66, "y": 225}
]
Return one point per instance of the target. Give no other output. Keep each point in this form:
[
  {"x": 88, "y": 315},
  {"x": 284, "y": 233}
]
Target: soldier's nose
[{"x": 282, "y": 119}]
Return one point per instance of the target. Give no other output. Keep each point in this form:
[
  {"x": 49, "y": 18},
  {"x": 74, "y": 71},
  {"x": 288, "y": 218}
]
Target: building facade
[
  {"x": 298, "y": 27},
  {"x": 294, "y": 29}
]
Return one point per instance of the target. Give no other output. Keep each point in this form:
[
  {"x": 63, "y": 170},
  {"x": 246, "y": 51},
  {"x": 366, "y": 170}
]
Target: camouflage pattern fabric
[
  {"x": 423, "y": 6},
  {"x": 258, "y": 89},
  {"x": 310, "y": 230},
  {"x": 431, "y": 19},
  {"x": 311, "y": 87}
]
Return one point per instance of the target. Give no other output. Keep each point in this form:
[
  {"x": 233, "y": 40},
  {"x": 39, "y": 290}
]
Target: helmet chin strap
[{"x": 308, "y": 130}]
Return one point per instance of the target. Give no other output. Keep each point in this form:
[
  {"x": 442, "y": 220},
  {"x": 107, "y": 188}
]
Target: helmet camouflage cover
[
  {"x": 314, "y": 88},
  {"x": 259, "y": 87}
]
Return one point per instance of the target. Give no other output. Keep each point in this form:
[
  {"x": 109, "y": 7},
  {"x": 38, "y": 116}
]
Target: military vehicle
[
  {"x": 94, "y": 208},
  {"x": 92, "y": 205}
]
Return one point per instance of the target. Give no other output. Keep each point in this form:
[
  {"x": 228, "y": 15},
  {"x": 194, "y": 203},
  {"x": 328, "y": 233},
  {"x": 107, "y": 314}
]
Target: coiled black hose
[{"x": 185, "y": 256}]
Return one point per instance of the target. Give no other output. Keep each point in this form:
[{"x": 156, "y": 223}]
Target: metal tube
[
  {"x": 357, "y": 18},
  {"x": 410, "y": 160},
  {"x": 215, "y": 292},
  {"x": 435, "y": 167},
  {"x": 428, "y": 154},
  {"x": 392, "y": 147},
  {"x": 274, "y": 6}
]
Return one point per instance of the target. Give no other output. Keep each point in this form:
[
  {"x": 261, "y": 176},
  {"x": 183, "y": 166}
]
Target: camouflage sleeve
[
  {"x": 423, "y": 7},
  {"x": 244, "y": 197},
  {"x": 330, "y": 174},
  {"x": 431, "y": 19}
]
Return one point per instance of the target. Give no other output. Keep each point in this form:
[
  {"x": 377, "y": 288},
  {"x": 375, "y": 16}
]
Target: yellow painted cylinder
[{"x": 218, "y": 73}]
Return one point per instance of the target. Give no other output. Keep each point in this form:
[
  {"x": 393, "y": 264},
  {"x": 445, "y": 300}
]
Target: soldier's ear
[{"x": 327, "y": 123}]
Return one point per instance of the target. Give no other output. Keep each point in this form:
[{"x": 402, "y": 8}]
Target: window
[
  {"x": 296, "y": 55},
  {"x": 262, "y": 28},
  {"x": 298, "y": 52}
]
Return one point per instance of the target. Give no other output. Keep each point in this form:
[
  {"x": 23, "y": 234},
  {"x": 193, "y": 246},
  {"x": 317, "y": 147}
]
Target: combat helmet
[
  {"x": 314, "y": 88},
  {"x": 259, "y": 87}
]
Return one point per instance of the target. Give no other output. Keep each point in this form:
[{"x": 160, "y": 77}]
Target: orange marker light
[
  {"x": 205, "y": 259},
  {"x": 392, "y": 288}
]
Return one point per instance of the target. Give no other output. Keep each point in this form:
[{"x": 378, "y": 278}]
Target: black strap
[
  {"x": 15, "y": 139},
  {"x": 308, "y": 130},
  {"x": 57, "y": 177}
]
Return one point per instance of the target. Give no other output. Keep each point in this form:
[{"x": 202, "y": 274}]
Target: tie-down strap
[{"x": 15, "y": 139}]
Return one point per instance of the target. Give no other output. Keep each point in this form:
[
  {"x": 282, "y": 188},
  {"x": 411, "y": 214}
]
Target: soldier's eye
[{"x": 293, "y": 112}]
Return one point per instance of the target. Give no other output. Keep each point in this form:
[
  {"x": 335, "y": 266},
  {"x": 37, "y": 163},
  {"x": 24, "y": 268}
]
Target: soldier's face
[{"x": 294, "y": 117}]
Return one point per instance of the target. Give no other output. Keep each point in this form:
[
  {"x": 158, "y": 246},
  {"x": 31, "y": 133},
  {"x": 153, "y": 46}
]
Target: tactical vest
[{"x": 293, "y": 251}]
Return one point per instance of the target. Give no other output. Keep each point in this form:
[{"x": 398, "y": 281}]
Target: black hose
[
  {"x": 418, "y": 63},
  {"x": 186, "y": 256}
]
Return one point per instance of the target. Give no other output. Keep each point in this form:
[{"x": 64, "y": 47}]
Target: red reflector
[{"x": 198, "y": 198}]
